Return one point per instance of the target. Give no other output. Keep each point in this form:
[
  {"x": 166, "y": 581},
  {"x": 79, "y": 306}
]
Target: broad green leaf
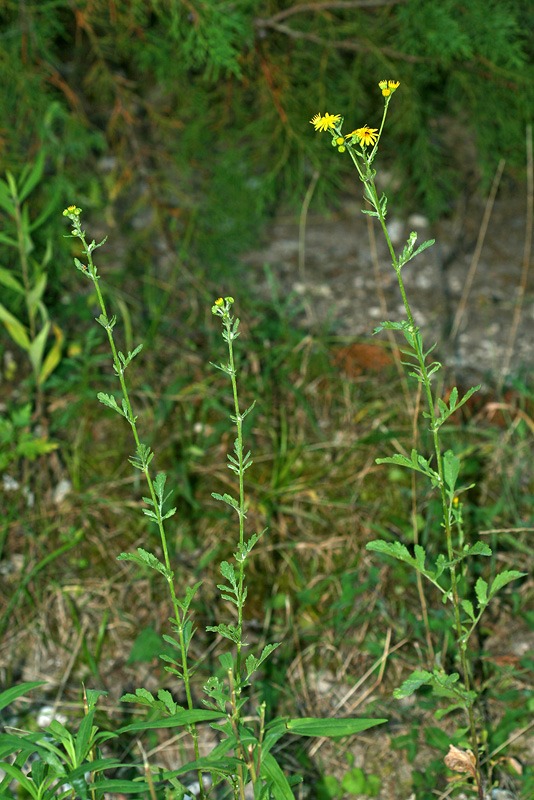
[
  {"x": 33, "y": 178},
  {"x": 84, "y": 735},
  {"x": 253, "y": 663},
  {"x": 227, "y": 571},
  {"x": 54, "y": 355},
  {"x": 159, "y": 485},
  {"x": 185, "y": 717},
  {"x": 36, "y": 293},
  {"x": 6, "y": 200},
  {"x": 270, "y": 770},
  {"x": 146, "y": 646},
  {"x": 9, "y": 241},
  {"x": 420, "y": 557},
  {"x": 8, "y": 279},
  {"x": 451, "y": 469},
  {"x": 36, "y": 348},
  {"x": 467, "y": 606},
  {"x": 415, "y": 681},
  {"x": 167, "y": 699},
  {"x": 395, "y": 549},
  {"x": 354, "y": 781},
  {"x": 119, "y": 786},
  {"x": 479, "y": 549},
  {"x": 312, "y": 726},
  {"x": 217, "y": 762},
  {"x": 189, "y": 594},
  {"x": 503, "y": 578},
  {"x": 9, "y": 695},
  {"x": 15, "y": 328},
  {"x": 20, "y": 777}
]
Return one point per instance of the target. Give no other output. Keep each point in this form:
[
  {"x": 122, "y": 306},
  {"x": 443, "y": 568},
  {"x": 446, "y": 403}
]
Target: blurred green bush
[{"x": 198, "y": 110}]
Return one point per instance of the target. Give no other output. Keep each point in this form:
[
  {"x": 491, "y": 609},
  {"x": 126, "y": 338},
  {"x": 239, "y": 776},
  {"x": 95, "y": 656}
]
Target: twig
[
  {"x": 526, "y": 258},
  {"x": 478, "y": 249},
  {"x": 347, "y": 44},
  {"x": 302, "y": 222},
  {"x": 303, "y": 8}
]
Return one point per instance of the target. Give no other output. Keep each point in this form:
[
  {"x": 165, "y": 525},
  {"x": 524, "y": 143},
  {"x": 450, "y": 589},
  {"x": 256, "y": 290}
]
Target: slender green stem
[
  {"x": 417, "y": 343},
  {"x": 180, "y": 616},
  {"x": 241, "y": 513},
  {"x": 24, "y": 264}
]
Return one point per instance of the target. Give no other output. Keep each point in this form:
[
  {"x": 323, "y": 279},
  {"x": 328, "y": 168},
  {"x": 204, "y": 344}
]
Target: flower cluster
[
  {"x": 324, "y": 123},
  {"x": 72, "y": 212},
  {"x": 365, "y": 136},
  {"x": 388, "y": 87}
]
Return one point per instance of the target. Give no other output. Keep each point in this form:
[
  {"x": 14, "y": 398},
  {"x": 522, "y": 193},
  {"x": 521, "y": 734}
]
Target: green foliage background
[{"x": 199, "y": 109}]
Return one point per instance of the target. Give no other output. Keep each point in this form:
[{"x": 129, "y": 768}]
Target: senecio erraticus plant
[
  {"x": 450, "y": 574},
  {"x": 244, "y": 753}
]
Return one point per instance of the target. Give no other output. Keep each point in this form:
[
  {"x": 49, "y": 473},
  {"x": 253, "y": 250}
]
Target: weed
[
  {"x": 245, "y": 753},
  {"x": 453, "y": 574}
]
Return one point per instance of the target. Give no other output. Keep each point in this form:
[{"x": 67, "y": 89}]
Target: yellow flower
[
  {"x": 72, "y": 211},
  {"x": 388, "y": 87},
  {"x": 219, "y": 301},
  {"x": 365, "y": 135},
  {"x": 323, "y": 123}
]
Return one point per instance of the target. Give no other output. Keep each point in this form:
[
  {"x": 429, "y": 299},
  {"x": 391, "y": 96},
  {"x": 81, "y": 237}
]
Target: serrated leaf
[
  {"x": 467, "y": 606},
  {"x": 227, "y": 571},
  {"x": 110, "y": 402},
  {"x": 395, "y": 549},
  {"x": 479, "y": 549},
  {"x": 420, "y": 557},
  {"x": 189, "y": 595},
  {"x": 226, "y": 498},
  {"x": 424, "y": 246},
  {"x": 481, "y": 591},
  {"x": 265, "y": 653},
  {"x": 146, "y": 558},
  {"x": 415, "y": 681},
  {"x": 159, "y": 485},
  {"x": 451, "y": 469},
  {"x": 166, "y": 697},
  {"x": 228, "y": 631},
  {"x": 507, "y": 576}
]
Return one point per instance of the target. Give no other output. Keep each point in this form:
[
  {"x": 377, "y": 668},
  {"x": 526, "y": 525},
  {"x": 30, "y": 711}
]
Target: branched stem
[
  {"x": 180, "y": 616},
  {"x": 419, "y": 352}
]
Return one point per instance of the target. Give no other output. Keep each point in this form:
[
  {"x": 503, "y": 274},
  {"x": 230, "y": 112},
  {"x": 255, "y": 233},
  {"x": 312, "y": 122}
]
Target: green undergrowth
[{"x": 316, "y": 432}]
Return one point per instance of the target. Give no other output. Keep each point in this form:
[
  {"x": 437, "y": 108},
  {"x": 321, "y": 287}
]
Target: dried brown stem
[
  {"x": 527, "y": 251},
  {"x": 480, "y": 243}
]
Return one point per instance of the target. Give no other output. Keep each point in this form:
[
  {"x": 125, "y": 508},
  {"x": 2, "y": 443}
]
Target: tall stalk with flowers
[
  {"x": 449, "y": 575},
  {"x": 243, "y": 756}
]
